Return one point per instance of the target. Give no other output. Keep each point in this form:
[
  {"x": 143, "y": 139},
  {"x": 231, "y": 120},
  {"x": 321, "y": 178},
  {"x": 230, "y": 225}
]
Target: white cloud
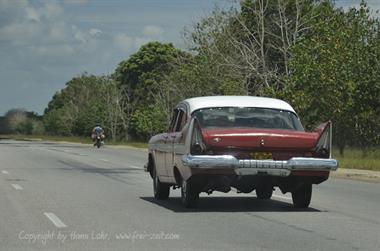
[
  {"x": 44, "y": 43},
  {"x": 95, "y": 32},
  {"x": 124, "y": 42},
  {"x": 58, "y": 32},
  {"x": 80, "y": 36},
  {"x": 19, "y": 33},
  {"x": 10, "y": 12},
  {"x": 129, "y": 44},
  {"x": 44, "y": 35},
  {"x": 139, "y": 41},
  {"x": 52, "y": 51},
  {"x": 152, "y": 31},
  {"x": 10, "y": 3},
  {"x": 32, "y": 14},
  {"x": 51, "y": 9},
  {"x": 31, "y": 25},
  {"x": 79, "y": 2},
  {"x": 85, "y": 36}
]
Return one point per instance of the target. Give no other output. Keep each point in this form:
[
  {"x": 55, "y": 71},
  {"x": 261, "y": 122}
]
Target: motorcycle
[{"x": 99, "y": 140}]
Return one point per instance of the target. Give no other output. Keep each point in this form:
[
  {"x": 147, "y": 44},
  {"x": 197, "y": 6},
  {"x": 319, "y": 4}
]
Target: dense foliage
[
  {"x": 83, "y": 103},
  {"x": 335, "y": 74},
  {"x": 322, "y": 60},
  {"x": 21, "y": 121}
]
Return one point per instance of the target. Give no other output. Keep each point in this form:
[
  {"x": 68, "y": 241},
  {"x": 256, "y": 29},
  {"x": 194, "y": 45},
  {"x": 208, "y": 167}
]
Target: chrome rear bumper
[{"x": 252, "y": 167}]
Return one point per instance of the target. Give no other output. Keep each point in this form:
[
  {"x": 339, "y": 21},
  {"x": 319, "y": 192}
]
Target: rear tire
[
  {"x": 161, "y": 190},
  {"x": 302, "y": 196},
  {"x": 264, "y": 192},
  {"x": 189, "y": 194}
]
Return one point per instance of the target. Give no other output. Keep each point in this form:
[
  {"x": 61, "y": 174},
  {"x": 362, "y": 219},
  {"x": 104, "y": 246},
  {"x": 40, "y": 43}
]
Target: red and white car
[{"x": 249, "y": 143}]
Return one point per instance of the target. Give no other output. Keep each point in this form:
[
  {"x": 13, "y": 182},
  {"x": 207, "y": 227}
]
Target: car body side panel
[
  {"x": 158, "y": 145},
  {"x": 182, "y": 147}
]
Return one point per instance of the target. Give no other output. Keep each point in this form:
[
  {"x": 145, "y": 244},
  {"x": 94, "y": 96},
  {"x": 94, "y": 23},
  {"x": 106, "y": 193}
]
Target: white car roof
[{"x": 236, "y": 101}]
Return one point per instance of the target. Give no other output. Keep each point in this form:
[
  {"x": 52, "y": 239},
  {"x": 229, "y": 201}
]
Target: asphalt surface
[{"x": 75, "y": 197}]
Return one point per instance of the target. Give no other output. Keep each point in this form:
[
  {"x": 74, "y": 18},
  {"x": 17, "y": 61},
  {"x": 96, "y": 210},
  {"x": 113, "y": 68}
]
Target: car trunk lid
[{"x": 259, "y": 139}]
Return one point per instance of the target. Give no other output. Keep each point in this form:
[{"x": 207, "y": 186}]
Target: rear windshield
[{"x": 248, "y": 117}]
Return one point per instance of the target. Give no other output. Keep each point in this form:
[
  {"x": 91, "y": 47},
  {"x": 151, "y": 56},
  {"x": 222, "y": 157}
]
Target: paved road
[{"x": 73, "y": 197}]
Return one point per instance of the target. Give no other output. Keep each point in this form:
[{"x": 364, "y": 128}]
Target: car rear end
[{"x": 258, "y": 149}]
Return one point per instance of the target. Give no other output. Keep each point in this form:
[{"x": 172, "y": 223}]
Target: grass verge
[{"x": 354, "y": 159}]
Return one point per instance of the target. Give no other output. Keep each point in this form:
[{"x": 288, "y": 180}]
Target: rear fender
[{"x": 182, "y": 172}]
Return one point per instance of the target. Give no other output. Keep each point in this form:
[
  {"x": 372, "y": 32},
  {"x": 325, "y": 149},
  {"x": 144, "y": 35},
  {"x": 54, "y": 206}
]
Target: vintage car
[{"x": 248, "y": 143}]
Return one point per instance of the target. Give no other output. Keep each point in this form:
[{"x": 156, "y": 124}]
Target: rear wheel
[
  {"x": 161, "y": 190},
  {"x": 264, "y": 192},
  {"x": 302, "y": 196},
  {"x": 189, "y": 194}
]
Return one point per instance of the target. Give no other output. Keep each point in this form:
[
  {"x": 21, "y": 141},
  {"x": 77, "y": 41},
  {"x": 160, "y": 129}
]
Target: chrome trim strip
[
  {"x": 271, "y": 167},
  {"x": 256, "y": 171},
  {"x": 207, "y": 161}
]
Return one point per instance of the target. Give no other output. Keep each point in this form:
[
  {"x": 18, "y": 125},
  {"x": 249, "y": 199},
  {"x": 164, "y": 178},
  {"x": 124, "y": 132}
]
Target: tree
[
  {"x": 149, "y": 121},
  {"x": 334, "y": 74},
  {"x": 14, "y": 118},
  {"x": 142, "y": 70},
  {"x": 77, "y": 108},
  {"x": 22, "y": 122},
  {"x": 140, "y": 77},
  {"x": 365, "y": 65},
  {"x": 251, "y": 47},
  {"x": 58, "y": 122},
  {"x": 117, "y": 119}
]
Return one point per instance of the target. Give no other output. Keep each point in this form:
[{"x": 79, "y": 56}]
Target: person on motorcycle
[{"x": 98, "y": 130}]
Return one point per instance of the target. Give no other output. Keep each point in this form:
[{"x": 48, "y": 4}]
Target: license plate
[{"x": 261, "y": 155}]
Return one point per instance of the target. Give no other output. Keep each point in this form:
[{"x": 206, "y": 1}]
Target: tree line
[
  {"x": 323, "y": 60},
  {"x": 21, "y": 121}
]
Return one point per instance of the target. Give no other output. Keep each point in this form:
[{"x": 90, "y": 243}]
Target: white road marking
[
  {"x": 82, "y": 154},
  {"x": 281, "y": 197},
  {"x": 17, "y": 186},
  {"x": 55, "y": 220},
  {"x": 105, "y": 160},
  {"x": 4, "y": 172},
  {"x": 136, "y": 167}
]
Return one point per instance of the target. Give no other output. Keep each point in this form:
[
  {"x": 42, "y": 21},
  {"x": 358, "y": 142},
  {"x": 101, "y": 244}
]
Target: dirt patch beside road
[{"x": 356, "y": 174}]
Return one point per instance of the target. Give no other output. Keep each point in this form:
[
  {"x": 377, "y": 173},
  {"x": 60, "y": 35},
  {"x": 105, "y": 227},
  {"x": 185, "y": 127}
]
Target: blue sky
[{"x": 44, "y": 43}]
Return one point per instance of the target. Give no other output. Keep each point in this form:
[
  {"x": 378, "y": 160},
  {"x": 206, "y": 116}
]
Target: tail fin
[{"x": 324, "y": 143}]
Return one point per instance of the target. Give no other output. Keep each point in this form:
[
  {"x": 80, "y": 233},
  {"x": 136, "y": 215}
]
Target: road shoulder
[{"x": 357, "y": 174}]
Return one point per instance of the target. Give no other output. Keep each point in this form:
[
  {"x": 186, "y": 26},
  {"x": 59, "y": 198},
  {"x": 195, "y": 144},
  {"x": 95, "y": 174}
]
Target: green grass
[
  {"x": 353, "y": 159},
  {"x": 73, "y": 139}
]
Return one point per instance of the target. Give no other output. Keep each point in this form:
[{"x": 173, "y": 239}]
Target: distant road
[{"x": 74, "y": 197}]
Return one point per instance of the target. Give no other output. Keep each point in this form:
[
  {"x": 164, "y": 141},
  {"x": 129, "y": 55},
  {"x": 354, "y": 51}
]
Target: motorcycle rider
[{"x": 98, "y": 130}]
